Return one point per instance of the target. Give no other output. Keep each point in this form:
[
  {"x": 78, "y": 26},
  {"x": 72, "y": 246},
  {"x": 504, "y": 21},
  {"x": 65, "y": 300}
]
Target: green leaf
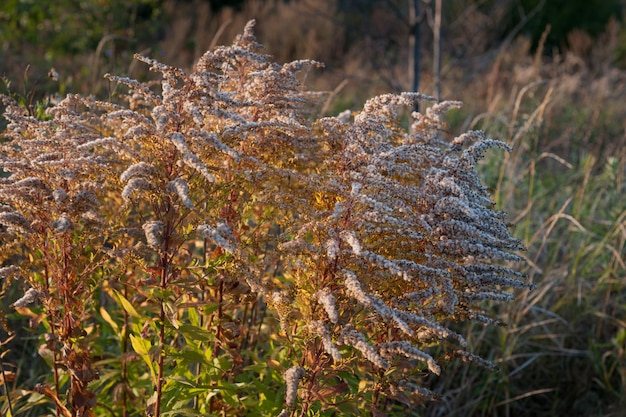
[
  {"x": 210, "y": 308},
  {"x": 189, "y": 356},
  {"x": 194, "y": 317},
  {"x": 222, "y": 363},
  {"x": 170, "y": 313},
  {"x": 196, "y": 333},
  {"x": 126, "y": 305},
  {"x": 143, "y": 347}
]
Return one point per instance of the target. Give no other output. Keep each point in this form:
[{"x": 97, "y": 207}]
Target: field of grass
[
  {"x": 563, "y": 349},
  {"x": 563, "y": 352}
]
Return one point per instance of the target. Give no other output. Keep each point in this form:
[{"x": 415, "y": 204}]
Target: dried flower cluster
[{"x": 363, "y": 238}]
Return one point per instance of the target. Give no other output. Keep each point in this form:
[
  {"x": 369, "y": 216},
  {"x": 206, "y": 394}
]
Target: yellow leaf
[
  {"x": 126, "y": 305},
  {"x": 107, "y": 317}
]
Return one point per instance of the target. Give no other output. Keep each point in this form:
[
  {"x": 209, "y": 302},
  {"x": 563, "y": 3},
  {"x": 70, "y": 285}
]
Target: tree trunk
[{"x": 414, "y": 46}]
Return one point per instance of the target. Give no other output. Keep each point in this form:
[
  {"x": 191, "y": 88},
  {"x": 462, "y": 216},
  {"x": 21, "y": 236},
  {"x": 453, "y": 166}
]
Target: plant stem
[
  {"x": 51, "y": 320},
  {"x": 218, "y": 331},
  {"x": 201, "y": 297},
  {"x": 159, "y": 387},
  {"x": 124, "y": 375},
  {"x": 6, "y": 389}
]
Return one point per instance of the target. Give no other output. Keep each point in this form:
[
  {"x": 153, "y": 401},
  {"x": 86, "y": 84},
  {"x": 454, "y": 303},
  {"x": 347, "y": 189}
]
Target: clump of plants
[{"x": 209, "y": 246}]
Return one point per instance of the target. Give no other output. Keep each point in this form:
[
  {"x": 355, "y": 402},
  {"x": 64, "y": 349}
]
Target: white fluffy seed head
[
  {"x": 154, "y": 233},
  {"x": 180, "y": 187},
  {"x": 292, "y": 379}
]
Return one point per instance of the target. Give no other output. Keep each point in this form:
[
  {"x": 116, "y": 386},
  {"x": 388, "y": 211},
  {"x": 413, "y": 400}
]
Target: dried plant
[{"x": 230, "y": 243}]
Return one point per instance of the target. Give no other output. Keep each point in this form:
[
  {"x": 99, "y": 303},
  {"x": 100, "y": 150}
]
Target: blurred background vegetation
[{"x": 547, "y": 76}]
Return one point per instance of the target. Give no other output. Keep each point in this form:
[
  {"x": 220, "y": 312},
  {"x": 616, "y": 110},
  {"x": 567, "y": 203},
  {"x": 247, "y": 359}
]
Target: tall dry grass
[{"x": 564, "y": 349}]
